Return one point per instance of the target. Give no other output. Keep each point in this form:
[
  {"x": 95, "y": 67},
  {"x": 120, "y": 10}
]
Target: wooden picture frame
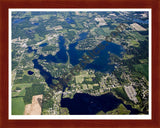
[{"x": 4, "y": 62}]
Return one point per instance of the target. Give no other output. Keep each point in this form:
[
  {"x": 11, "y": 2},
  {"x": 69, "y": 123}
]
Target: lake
[
  {"x": 141, "y": 21},
  {"x": 100, "y": 62},
  {"x": 46, "y": 75},
  {"x": 30, "y": 72},
  {"x": 16, "y": 21},
  {"x": 60, "y": 57},
  {"x": 69, "y": 20},
  {"x": 85, "y": 104},
  {"x": 43, "y": 45}
]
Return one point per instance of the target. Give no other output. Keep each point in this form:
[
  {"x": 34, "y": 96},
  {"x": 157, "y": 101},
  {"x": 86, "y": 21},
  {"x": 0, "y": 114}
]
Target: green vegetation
[
  {"x": 98, "y": 77},
  {"x": 37, "y": 37},
  {"x": 138, "y": 36},
  {"x": 26, "y": 79},
  {"x": 48, "y": 104},
  {"x": 134, "y": 43},
  {"x": 100, "y": 113},
  {"x": 18, "y": 29},
  {"x": 142, "y": 68},
  {"x": 41, "y": 30},
  {"x": 143, "y": 61},
  {"x": 35, "y": 27},
  {"x": 71, "y": 35},
  {"x": 55, "y": 81},
  {"x": 36, "y": 89},
  {"x": 99, "y": 32},
  {"x": 107, "y": 30},
  {"x": 47, "y": 100},
  {"x": 18, "y": 88},
  {"x": 14, "y": 64},
  {"x": 121, "y": 110},
  {"x": 18, "y": 106},
  {"x": 22, "y": 91},
  {"x": 120, "y": 92},
  {"x": 49, "y": 48},
  {"x": 64, "y": 111},
  {"x": 126, "y": 56}
]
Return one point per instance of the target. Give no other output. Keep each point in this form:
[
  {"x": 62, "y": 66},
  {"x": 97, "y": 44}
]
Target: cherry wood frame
[{"x": 6, "y": 4}]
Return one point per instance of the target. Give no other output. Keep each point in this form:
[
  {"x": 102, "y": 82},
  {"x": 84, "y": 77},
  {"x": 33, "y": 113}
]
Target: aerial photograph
[{"x": 79, "y": 62}]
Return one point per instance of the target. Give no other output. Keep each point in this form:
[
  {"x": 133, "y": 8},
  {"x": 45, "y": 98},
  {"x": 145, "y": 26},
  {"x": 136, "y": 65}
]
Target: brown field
[{"x": 35, "y": 107}]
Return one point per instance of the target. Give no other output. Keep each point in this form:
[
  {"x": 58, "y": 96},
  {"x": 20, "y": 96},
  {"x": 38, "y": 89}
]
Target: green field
[
  {"x": 126, "y": 56},
  {"x": 143, "y": 61},
  {"x": 138, "y": 36},
  {"x": 121, "y": 110},
  {"x": 142, "y": 68},
  {"x": 37, "y": 37},
  {"x": 18, "y": 106},
  {"x": 120, "y": 92},
  {"x": 134, "y": 43},
  {"x": 22, "y": 92},
  {"x": 107, "y": 30}
]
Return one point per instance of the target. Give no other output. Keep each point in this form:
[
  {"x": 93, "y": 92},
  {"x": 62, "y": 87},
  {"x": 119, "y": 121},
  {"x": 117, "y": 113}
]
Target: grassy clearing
[
  {"x": 64, "y": 111},
  {"x": 143, "y": 61},
  {"x": 126, "y": 56},
  {"x": 22, "y": 85},
  {"x": 37, "y": 37},
  {"x": 138, "y": 36},
  {"x": 84, "y": 86},
  {"x": 107, "y": 30},
  {"x": 99, "y": 32},
  {"x": 73, "y": 25},
  {"x": 90, "y": 86},
  {"x": 142, "y": 68},
  {"x": 79, "y": 79},
  {"x": 18, "y": 106},
  {"x": 134, "y": 43},
  {"x": 78, "y": 24},
  {"x": 31, "y": 28},
  {"x": 100, "y": 113},
  {"x": 30, "y": 54},
  {"x": 22, "y": 92},
  {"x": 89, "y": 79},
  {"x": 70, "y": 30},
  {"x": 44, "y": 17}
]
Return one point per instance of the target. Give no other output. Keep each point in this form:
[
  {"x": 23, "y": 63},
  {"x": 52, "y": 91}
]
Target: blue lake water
[
  {"x": 43, "y": 45},
  {"x": 29, "y": 30},
  {"x": 46, "y": 75},
  {"x": 69, "y": 20},
  {"x": 30, "y": 72},
  {"x": 141, "y": 21},
  {"x": 60, "y": 57},
  {"x": 17, "y": 21},
  {"x": 100, "y": 62},
  {"x": 85, "y": 104},
  {"x": 36, "y": 23}
]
